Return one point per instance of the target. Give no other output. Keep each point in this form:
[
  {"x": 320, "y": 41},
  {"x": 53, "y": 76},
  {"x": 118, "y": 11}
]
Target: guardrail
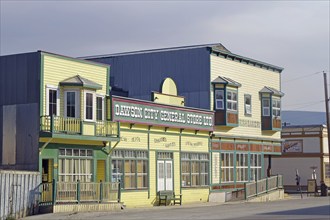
[
  {"x": 106, "y": 128},
  {"x": 59, "y": 124},
  {"x": 78, "y": 192},
  {"x": 263, "y": 186}
]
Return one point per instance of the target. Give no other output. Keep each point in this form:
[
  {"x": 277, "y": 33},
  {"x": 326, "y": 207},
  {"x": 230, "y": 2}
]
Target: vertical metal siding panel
[
  {"x": 143, "y": 73},
  {"x": 1, "y": 133}
]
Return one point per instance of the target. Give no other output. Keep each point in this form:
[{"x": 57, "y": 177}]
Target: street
[{"x": 291, "y": 208}]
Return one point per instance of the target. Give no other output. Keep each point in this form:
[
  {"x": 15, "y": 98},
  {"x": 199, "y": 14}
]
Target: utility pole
[{"x": 327, "y": 108}]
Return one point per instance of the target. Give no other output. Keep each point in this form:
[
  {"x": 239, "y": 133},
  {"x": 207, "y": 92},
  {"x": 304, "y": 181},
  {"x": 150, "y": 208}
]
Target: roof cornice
[{"x": 231, "y": 56}]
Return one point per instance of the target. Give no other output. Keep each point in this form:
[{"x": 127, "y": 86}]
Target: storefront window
[
  {"x": 130, "y": 168},
  {"x": 194, "y": 169},
  {"x": 227, "y": 167},
  {"x": 242, "y": 167},
  {"x": 75, "y": 164},
  {"x": 255, "y": 165}
]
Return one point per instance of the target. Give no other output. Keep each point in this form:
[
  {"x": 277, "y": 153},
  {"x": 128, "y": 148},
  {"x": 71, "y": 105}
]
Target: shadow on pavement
[{"x": 319, "y": 210}]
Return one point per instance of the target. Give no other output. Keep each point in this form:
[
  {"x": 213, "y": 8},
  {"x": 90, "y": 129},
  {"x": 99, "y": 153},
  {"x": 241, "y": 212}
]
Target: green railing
[
  {"x": 263, "y": 186},
  {"x": 78, "y": 192}
]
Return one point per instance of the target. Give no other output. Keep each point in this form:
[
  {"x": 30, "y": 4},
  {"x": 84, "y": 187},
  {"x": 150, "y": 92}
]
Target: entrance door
[
  {"x": 164, "y": 175},
  {"x": 47, "y": 170},
  {"x": 100, "y": 173}
]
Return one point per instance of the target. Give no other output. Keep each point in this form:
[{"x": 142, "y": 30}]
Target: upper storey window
[
  {"x": 271, "y": 108},
  {"x": 232, "y": 100},
  {"x": 52, "y": 100},
  {"x": 219, "y": 98},
  {"x": 225, "y": 92},
  {"x": 80, "y": 98}
]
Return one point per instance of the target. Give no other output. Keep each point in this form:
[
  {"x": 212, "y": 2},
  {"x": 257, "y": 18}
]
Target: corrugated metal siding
[
  {"x": 142, "y": 73},
  {"x": 18, "y": 195},
  {"x": 20, "y": 78},
  {"x": 20, "y": 137}
]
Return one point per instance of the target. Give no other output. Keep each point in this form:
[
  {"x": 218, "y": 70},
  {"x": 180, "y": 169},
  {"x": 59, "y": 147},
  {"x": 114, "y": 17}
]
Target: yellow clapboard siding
[
  {"x": 131, "y": 139},
  {"x": 195, "y": 195},
  {"x": 137, "y": 199},
  {"x": 164, "y": 141},
  {"x": 194, "y": 144},
  {"x": 253, "y": 79},
  {"x": 176, "y": 169},
  {"x": 57, "y": 69}
]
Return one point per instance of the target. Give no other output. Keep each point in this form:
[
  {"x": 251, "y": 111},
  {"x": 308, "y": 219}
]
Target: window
[
  {"x": 194, "y": 169},
  {"x": 71, "y": 104},
  {"x": 232, "y": 100},
  {"x": 219, "y": 96},
  {"x": 242, "y": 167},
  {"x": 227, "y": 167},
  {"x": 327, "y": 170},
  {"x": 130, "y": 168},
  {"x": 266, "y": 107},
  {"x": 255, "y": 166},
  {"x": 99, "y": 108},
  {"x": 276, "y": 108},
  {"x": 88, "y": 106},
  {"x": 247, "y": 105},
  {"x": 75, "y": 164},
  {"x": 52, "y": 101}
]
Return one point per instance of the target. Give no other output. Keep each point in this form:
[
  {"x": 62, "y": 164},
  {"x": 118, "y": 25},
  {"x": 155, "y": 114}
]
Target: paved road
[{"x": 293, "y": 208}]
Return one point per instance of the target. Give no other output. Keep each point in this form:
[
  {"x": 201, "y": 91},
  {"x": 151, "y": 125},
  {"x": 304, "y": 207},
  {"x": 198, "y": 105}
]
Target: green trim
[
  {"x": 81, "y": 86},
  {"x": 148, "y": 140},
  {"x": 108, "y": 87},
  {"x": 74, "y": 59},
  {"x": 41, "y": 84},
  {"x": 79, "y": 137},
  {"x": 180, "y": 162}
]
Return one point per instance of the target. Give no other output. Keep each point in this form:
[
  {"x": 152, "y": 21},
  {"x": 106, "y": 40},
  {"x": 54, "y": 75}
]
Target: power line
[
  {"x": 305, "y": 103},
  {"x": 301, "y": 77}
]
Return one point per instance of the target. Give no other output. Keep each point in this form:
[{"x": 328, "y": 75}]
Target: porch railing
[
  {"x": 263, "y": 186},
  {"x": 59, "y": 124},
  {"x": 78, "y": 192},
  {"x": 106, "y": 128}
]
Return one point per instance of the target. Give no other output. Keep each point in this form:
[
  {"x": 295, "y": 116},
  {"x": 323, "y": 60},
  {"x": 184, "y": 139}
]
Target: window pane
[
  {"x": 99, "y": 108},
  {"x": 71, "y": 104},
  {"x": 52, "y": 102},
  {"x": 89, "y": 106}
]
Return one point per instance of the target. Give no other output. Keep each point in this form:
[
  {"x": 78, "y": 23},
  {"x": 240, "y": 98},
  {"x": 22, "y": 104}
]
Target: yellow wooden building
[{"x": 163, "y": 146}]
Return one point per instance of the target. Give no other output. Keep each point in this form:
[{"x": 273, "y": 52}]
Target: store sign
[
  {"x": 293, "y": 146},
  {"x": 136, "y": 111}
]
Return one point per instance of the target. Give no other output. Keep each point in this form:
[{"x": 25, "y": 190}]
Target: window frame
[
  {"x": 220, "y": 100},
  {"x": 88, "y": 92},
  {"x": 190, "y": 160},
  {"x": 276, "y": 109},
  {"x": 255, "y": 166},
  {"x": 227, "y": 168},
  {"x": 77, "y": 103},
  {"x": 267, "y": 107},
  {"x": 53, "y": 88},
  {"x": 121, "y": 157},
  {"x": 242, "y": 164},
  {"x": 231, "y": 101},
  {"x": 102, "y": 97},
  {"x": 246, "y": 106},
  {"x": 75, "y": 160}
]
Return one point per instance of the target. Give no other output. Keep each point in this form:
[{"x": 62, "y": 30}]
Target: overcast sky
[{"x": 290, "y": 34}]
